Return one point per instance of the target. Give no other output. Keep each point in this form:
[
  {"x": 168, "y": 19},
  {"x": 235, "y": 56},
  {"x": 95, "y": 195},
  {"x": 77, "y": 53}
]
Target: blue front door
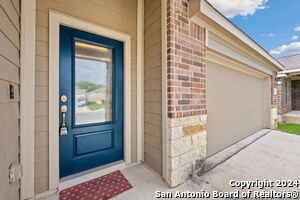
[{"x": 91, "y": 101}]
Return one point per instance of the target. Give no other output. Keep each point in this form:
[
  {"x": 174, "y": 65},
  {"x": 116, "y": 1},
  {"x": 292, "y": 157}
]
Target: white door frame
[
  {"x": 27, "y": 96},
  {"x": 55, "y": 20}
]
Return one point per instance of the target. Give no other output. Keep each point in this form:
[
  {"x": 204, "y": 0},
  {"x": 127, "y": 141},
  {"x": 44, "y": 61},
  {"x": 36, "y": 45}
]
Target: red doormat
[{"x": 101, "y": 188}]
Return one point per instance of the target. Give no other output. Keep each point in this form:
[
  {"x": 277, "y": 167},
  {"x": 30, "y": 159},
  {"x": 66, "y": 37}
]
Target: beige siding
[
  {"x": 236, "y": 106},
  {"x": 115, "y": 14},
  {"x": 153, "y": 90},
  {"x": 9, "y": 108}
]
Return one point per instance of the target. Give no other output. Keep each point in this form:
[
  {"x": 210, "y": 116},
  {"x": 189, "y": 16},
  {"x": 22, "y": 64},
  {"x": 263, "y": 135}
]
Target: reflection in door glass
[{"x": 93, "y": 79}]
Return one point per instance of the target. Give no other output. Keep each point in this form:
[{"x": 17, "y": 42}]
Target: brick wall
[
  {"x": 186, "y": 63},
  {"x": 279, "y": 94},
  {"x": 284, "y": 97},
  {"x": 274, "y": 100},
  {"x": 274, "y": 86},
  {"x": 295, "y": 88},
  {"x": 186, "y": 94}
]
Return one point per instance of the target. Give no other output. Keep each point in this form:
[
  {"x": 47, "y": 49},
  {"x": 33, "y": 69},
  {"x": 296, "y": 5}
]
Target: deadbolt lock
[{"x": 64, "y": 98}]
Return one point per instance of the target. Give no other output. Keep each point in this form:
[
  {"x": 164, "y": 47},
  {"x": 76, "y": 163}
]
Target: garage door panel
[
  {"x": 225, "y": 95},
  {"x": 223, "y": 124},
  {"x": 221, "y": 119},
  {"x": 235, "y": 102}
]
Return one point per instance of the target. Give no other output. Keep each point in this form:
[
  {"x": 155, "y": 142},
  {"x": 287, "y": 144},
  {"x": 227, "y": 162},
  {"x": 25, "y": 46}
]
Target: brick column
[
  {"x": 284, "y": 97},
  {"x": 274, "y": 90},
  {"x": 186, "y": 94},
  {"x": 279, "y": 97},
  {"x": 274, "y": 100}
]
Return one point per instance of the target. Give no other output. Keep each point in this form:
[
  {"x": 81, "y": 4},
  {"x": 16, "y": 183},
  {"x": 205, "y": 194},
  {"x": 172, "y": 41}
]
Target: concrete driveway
[{"x": 275, "y": 156}]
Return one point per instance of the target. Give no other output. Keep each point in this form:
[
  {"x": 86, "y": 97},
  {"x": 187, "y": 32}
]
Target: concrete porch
[
  {"x": 291, "y": 117},
  {"x": 277, "y": 150}
]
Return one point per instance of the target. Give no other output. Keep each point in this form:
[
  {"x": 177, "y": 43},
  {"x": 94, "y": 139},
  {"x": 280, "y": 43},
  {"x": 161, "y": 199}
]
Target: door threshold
[{"x": 88, "y": 175}]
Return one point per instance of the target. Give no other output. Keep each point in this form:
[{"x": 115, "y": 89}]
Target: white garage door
[{"x": 235, "y": 105}]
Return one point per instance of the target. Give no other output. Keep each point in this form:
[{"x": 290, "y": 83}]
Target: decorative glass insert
[{"x": 93, "y": 83}]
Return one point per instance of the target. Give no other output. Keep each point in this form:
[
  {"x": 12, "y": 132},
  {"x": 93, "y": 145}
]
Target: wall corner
[{"x": 186, "y": 131}]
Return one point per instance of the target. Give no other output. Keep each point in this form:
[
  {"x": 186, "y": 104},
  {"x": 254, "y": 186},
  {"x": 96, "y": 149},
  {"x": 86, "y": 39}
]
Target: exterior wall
[
  {"x": 267, "y": 102},
  {"x": 9, "y": 108},
  {"x": 295, "y": 85},
  {"x": 186, "y": 90},
  {"x": 274, "y": 100},
  {"x": 118, "y": 15},
  {"x": 153, "y": 88},
  {"x": 284, "y": 97},
  {"x": 187, "y": 138},
  {"x": 274, "y": 97}
]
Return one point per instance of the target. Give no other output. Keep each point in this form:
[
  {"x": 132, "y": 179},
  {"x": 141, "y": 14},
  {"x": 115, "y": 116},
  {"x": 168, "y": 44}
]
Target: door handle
[
  {"x": 63, "y": 127},
  {"x": 63, "y": 120}
]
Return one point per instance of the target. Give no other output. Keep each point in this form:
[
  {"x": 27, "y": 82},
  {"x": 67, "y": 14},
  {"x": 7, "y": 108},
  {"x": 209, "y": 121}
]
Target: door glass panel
[{"x": 93, "y": 79}]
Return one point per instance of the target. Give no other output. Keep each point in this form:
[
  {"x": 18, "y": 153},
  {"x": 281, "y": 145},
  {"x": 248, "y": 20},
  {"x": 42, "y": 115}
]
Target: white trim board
[
  {"x": 164, "y": 85},
  {"x": 215, "y": 57},
  {"x": 55, "y": 20},
  {"x": 27, "y": 96},
  {"x": 203, "y": 7},
  {"x": 223, "y": 48},
  {"x": 140, "y": 81},
  {"x": 214, "y": 42},
  {"x": 290, "y": 71}
]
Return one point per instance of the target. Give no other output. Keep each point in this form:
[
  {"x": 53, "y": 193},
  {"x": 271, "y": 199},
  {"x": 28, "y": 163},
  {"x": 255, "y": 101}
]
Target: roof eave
[{"x": 205, "y": 8}]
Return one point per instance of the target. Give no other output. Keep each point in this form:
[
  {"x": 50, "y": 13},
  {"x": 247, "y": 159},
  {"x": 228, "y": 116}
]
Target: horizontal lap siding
[
  {"x": 9, "y": 108},
  {"x": 153, "y": 91},
  {"x": 115, "y": 14}
]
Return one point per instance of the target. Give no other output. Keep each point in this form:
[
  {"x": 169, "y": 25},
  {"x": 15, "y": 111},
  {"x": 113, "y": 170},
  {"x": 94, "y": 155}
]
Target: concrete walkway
[
  {"x": 294, "y": 113},
  {"x": 275, "y": 156},
  {"x": 291, "y": 117}
]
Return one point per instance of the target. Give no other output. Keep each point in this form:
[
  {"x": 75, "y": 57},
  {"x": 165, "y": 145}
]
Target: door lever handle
[
  {"x": 63, "y": 124},
  {"x": 63, "y": 127}
]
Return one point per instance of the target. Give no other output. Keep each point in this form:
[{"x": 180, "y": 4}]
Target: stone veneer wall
[
  {"x": 186, "y": 74},
  {"x": 187, "y": 137}
]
